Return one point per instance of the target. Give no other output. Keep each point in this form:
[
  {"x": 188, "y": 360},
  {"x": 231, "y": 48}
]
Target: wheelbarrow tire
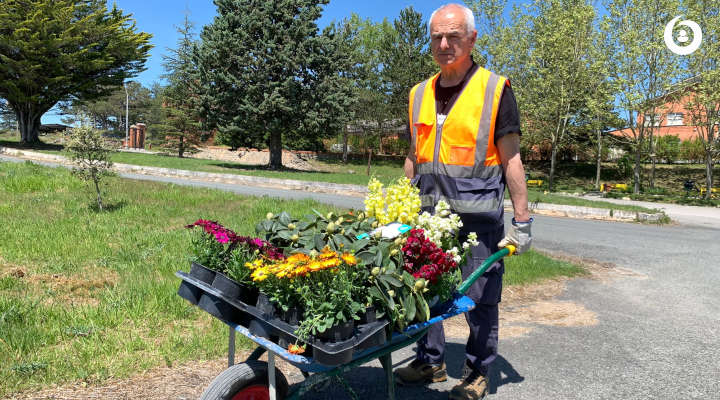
[{"x": 245, "y": 376}]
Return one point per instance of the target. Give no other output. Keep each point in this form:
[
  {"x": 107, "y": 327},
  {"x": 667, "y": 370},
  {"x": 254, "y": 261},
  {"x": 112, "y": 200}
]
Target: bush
[
  {"x": 692, "y": 150},
  {"x": 667, "y": 148},
  {"x": 91, "y": 156}
]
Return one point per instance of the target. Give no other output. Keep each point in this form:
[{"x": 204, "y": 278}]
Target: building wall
[{"x": 684, "y": 132}]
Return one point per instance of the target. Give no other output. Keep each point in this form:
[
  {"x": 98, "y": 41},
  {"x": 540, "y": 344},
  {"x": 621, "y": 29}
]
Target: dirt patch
[
  {"x": 181, "y": 382},
  {"x": 250, "y": 157},
  {"x": 74, "y": 289}
]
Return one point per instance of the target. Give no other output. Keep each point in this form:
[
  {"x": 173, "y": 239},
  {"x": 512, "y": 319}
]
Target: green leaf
[
  {"x": 366, "y": 257},
  {"x": 379, "y": 259},
  {"x": 409, "y": 304},
  {"x": 319, "y": 242},
  {"x": 285, "y": 218},
  {"x": 360, "y": 244},
  {"x": 423, "y": 311},
  {"x": 319, "y": 214},
  {"x": 392, "y": 280},
  {"x": 408, "y": 279}
]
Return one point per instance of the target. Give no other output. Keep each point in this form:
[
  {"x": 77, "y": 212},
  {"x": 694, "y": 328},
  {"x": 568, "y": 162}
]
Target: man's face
[{"x": 450, "y": 41}]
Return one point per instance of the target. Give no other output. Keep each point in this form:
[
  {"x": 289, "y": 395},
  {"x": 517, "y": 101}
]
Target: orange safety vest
[{"x": 457, "y": 161}]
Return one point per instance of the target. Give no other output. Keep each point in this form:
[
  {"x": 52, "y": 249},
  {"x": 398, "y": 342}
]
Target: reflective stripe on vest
[{"x": 460, "y": 151}]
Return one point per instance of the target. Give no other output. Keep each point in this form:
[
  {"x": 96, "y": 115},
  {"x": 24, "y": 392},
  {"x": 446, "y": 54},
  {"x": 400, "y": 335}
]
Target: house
[{"x": 671, "y": 117}]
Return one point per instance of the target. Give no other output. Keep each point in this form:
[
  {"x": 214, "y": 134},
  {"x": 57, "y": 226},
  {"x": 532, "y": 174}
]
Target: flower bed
[{"x": 323, "y": 273}]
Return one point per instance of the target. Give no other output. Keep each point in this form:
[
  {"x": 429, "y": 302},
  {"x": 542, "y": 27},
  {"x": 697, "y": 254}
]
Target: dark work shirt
[{"x": 507, "y": 119}]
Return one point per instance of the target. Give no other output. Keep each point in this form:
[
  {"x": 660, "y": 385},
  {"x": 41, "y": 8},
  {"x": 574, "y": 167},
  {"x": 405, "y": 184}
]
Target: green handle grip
[{"x": 485, "y": 265}]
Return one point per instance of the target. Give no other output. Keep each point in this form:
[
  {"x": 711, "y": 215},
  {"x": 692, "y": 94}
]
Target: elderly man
[{"x": 465, "y": 150}]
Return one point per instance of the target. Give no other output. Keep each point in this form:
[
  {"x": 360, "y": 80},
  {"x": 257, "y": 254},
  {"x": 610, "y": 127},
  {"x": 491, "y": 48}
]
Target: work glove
[{"x": 519, "y": 236}]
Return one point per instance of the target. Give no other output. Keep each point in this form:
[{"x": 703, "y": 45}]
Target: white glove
[{"x": 519, "y": 236}]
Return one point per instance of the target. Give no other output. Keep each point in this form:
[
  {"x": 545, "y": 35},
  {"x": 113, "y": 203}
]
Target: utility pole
[{"x": 127, "y": 117}]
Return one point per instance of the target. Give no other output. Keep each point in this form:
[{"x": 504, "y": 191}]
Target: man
[{"x": 465, "y": 150}]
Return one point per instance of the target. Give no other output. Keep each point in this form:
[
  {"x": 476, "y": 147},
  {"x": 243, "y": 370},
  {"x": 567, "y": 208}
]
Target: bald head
[
  {"x": 452, "y": 37},
  {"x": 457, "y": 12}
]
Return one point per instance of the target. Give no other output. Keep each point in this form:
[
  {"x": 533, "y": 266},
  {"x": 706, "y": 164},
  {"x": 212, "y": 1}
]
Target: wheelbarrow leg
[
  {"x": 271, "y": 375},
  {"x": 231, "y": 348},
  {"x": 386, "y": 361}
]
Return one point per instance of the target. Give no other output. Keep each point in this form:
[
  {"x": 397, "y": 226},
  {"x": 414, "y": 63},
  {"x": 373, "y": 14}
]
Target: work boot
[
  {"x": 473, "y": 386},
  {"x": 418, "y": 373}
]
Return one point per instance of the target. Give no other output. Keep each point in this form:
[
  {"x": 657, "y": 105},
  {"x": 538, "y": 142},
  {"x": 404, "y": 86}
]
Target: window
[
  {"x": 648, "y": 119},
  {"x": 674, "y": 119}
]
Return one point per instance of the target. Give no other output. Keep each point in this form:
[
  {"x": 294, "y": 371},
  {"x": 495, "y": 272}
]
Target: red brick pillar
[
  {"x": 141, "y": 136},
  {"x": 133, "y": 136}
]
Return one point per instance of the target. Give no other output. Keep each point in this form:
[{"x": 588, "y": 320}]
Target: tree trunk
[
  {"x": 652, "y": 159},
  {"x": 275, "y": 145},
  {"x": 553, "y": 157},
  {"x": 345, "y": 146},
  {"x": 636, "y": 169},
  {"x": 369, "y": 160},
  {"x": 29, "y": 125},
  {"x": 708, "y": 174},
  {"x": 181, "y": 147},
  {"x": 97, "y": 190},
  {"x": 599, "y": 159}
]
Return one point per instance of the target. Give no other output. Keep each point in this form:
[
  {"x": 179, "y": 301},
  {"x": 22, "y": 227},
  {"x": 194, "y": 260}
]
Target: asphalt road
[{"x": 658, "y": 335}]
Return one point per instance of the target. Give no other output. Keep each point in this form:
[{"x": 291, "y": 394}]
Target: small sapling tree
[{"x": 91, "y": 157}]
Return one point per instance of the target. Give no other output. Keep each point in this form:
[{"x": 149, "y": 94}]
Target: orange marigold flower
[
  {"x": 349, "y": 259},
  {"x": 296, "y": 349}
]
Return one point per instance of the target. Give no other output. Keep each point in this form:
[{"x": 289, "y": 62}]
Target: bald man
[{"x": 465, "y": 150}]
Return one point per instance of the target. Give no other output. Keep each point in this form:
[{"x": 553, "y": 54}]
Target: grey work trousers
[{"x": 482, "y": 345}]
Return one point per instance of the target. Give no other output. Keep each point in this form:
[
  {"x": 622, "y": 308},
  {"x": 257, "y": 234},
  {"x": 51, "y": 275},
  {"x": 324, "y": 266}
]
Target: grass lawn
[
  {"x": 337, "y": 172},
  {"x": 553, "y": 198},
  {"x": 85, "y": 296}
]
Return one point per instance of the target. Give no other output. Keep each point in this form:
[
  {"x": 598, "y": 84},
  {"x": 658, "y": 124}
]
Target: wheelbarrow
[{"x": 254, "y": 379}]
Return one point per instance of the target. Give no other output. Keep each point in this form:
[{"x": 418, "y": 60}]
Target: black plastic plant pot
[
  {"x": 368, "y": 316},
  {"x": 339, "y": 332},
  {"x": 293, "y": 315},
  {"x": 228, "y": 287},
  {"x": 190, "y": 292},
  {"x": 265, "y": 306},
  {"x": 202, "y": 273},
  {"x": 248, "y": 294},
  {"x": 332, "y": 354},
  {"x": 217, "y": 307}
]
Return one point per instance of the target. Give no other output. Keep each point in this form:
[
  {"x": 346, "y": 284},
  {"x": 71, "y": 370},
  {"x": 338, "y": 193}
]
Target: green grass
[
  {"x": 533, "y": 267},
  {"x": 85, "y": 296},
  {"x": 553, "y": 198}
]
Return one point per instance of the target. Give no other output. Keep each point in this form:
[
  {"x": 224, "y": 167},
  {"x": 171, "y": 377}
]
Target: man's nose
[{"x": 444, "y": 43}]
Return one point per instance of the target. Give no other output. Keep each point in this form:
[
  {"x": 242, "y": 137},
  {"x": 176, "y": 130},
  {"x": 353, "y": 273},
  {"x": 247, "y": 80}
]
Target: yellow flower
[
  {"x": 315, "y": 266},
  {"x": 260, "y": 274},
  {"x": 349, "y": 259}
]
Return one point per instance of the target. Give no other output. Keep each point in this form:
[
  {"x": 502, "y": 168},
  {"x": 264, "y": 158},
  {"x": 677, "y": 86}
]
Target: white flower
[{"x": 466, "y": 245}]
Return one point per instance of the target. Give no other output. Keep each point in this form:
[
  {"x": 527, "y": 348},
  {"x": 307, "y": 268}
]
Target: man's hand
[{"x": 519, "y": 236}]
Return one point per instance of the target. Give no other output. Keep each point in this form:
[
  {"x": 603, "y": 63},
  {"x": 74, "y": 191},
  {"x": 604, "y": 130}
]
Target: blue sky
[{"x": 160, "y": 18}]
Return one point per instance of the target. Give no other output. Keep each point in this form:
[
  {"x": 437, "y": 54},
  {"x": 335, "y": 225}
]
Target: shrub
[{"x": 91, "y": 156}]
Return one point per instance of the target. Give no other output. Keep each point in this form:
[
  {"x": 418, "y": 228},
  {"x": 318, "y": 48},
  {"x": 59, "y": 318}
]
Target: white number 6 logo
[{"x": 683, "y": 37}]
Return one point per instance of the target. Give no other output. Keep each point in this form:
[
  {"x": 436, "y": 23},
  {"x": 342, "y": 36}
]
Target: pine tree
[
  {"x": 180, "y": 98},
  {"x": 268, "y": 75},
  {"x": 57, "y": 50}
]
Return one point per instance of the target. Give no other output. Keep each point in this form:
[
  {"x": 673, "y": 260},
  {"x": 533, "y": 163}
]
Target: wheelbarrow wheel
[{"x": 246, "y": 381}]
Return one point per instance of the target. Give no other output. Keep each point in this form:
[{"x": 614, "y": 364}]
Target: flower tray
[{"x": 259, "y": 323}]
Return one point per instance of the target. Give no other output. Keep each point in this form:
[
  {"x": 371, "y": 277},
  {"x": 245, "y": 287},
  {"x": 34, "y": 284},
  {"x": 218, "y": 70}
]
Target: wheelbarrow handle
[{"x": 507, "y": 251}]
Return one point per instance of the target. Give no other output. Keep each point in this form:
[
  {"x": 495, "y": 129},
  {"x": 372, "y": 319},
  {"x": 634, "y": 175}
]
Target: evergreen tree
[
  {"x": 57, "y": 50},
  {"x": 268, "y": 75},
  {"x": 407, "y": 59},
  {"x": 108, "y": 113},
  {"x": 180, "y": 97}
]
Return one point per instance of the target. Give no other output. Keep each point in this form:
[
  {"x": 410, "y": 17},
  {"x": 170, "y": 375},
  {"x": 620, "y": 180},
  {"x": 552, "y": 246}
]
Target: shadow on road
[{"x": 368, "y": 382}]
